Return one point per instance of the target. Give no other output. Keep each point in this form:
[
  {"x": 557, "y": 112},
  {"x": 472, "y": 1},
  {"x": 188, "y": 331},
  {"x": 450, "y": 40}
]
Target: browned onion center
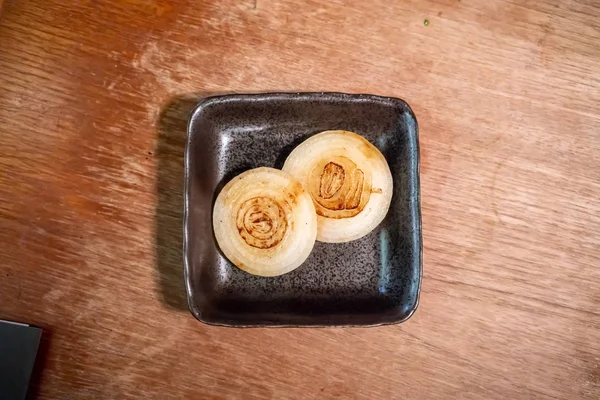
[
  {"x": 261, "y": 222},
  {"x": 339, "y": 188}
]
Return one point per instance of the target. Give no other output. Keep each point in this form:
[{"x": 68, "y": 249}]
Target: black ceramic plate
[{"x": 371, "y": 281}]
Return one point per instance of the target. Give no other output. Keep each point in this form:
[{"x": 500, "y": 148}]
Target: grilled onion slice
[
  {"x": 349, "y": 181},
  {"x": 265, "y": 222}
]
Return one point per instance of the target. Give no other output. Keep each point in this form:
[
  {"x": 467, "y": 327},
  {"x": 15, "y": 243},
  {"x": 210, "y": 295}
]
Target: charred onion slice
[
  {"x": 349, "y": 181},
  {"x": 265, "y": 222}
]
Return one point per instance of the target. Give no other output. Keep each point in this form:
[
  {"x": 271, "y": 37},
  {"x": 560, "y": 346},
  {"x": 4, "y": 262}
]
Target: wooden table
[{"x": 94, "y": 97}]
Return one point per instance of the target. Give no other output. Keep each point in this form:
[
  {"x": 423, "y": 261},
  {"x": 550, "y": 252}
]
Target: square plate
[{"x": 371, "y": 281}]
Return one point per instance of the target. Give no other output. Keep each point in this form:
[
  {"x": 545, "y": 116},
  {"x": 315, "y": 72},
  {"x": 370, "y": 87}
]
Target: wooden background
[{"x": 94, "y": 97}]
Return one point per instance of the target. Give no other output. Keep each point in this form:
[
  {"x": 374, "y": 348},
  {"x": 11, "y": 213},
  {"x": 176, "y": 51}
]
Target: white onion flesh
[
  {"x": 349, "y": 181},
  {"x": 265, "y": 222}
]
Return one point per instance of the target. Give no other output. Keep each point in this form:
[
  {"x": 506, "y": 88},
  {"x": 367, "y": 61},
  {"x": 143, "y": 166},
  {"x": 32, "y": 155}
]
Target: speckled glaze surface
[{"x": 371, "y": 281}]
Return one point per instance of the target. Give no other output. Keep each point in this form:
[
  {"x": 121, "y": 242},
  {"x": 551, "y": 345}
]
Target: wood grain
[{"x": 94, "y": 97}]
